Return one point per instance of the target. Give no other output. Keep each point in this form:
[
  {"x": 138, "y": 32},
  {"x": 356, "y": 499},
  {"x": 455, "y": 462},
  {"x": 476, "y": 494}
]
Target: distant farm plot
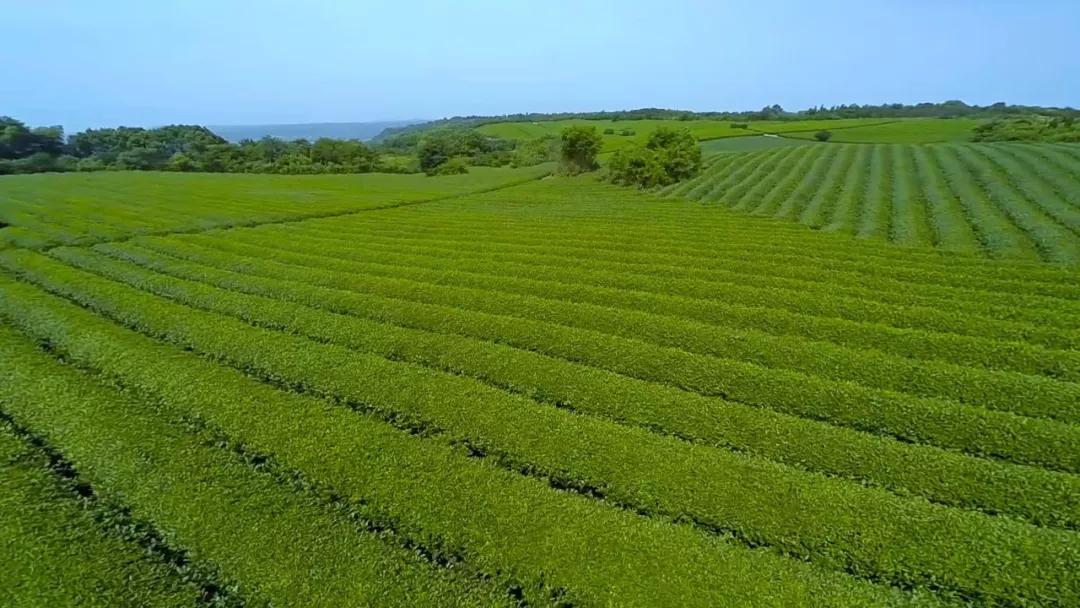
[
  {"x": 555, "y": 393},
  {"x": 908, "y": 131},
  {"x": 1004, "y": 200},
  {"x": 639, "y": 130},
  {"x": 752, "y": 143}
]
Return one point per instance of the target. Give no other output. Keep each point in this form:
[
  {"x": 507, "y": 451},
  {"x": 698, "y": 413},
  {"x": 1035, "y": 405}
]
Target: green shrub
[
  {"x": 454, "y": 166},
  {"x": 668, "y": 156},
  {"x": 823, "y": 135},
  {"x": 580, "y": 145}
]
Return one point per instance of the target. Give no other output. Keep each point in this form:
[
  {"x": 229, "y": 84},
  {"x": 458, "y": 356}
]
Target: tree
[
  {"x": 635, "y": 166},
  {"x": 580, "y": 145},
  {"x": 181, "y": 162},
  {"x": 823, "y": 135},
  {"x": 669, "y": 155},
  {"x": 677, "y": 152},
  {"x": 433, "y": 152}
]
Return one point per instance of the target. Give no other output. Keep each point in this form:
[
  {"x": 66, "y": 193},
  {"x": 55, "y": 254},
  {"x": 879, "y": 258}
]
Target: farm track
[{"x": 480, "y": 394}]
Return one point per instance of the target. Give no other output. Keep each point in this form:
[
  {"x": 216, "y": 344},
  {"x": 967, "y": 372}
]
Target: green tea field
[
  {"x": 1018, "y": 201},
  {"x": 508, "y": 389}
]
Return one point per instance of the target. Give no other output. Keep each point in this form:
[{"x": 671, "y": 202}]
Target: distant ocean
[{"x": 336, "y": 130}]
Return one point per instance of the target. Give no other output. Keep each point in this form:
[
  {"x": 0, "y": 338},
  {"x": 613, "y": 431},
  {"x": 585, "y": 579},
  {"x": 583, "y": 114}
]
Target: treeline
[
  {"x": 196, "y": 148},
  {"x": 947, "y": 109},
  {"x": 173, "y": 148}
]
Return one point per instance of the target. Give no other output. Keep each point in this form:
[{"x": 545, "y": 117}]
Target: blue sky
[{"x": 89, "y": 63}]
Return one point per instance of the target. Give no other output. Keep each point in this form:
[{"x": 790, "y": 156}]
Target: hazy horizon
[{"x": 116, "y": 63}]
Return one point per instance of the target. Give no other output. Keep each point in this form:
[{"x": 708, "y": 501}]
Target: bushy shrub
[
  {"x": 533, "y": 152},
  {"x": 668, "y": 156},
  {"x": 823, "y": 135},
  {"x": 637, "y": 166},
  {"x": 677, "y": 152},
  {"x": 91, "y": 164},
  {"x": 454, "y": 166},
  {"x": 580, "y": 145}
]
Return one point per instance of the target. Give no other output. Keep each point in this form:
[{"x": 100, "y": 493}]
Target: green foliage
[
  {"x": 669, "y": 156},
  {"x": 637, "y": 166},
  {"x": 536, "y": 151},
  {"x": 181, "y": 148},
  {"x": 823, "y": 135},
  {"x": 1064, "y": 128},
  {"x": 579, "y": 147},
  {"x": 470, "y": 147},
  {"x": 609, "y": 131},
  {"x": 19, "y": 141},
  {"x": 454, "y": 166}
]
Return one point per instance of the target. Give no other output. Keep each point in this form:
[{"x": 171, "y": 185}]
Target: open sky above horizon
[{"x": 108, "y": 62}]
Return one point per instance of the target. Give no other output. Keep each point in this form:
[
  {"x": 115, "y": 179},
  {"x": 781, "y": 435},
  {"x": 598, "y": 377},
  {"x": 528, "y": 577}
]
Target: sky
[{"x": 98, "y": 63}]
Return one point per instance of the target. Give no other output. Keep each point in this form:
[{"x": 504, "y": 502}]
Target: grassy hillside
[
  {"x": 1018, "y": 201},
  {"x": 559, "y": 392}
]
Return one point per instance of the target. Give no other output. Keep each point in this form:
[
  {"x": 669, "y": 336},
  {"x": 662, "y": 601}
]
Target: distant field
[
  {"x": 753, "y": 143},
  {"x": 702, "y": 129},
  {"x": 855, "y": 130},
  {"x": 909, "y": 131},
  {"x": 240, "y": 391},
  {"x": 1004, "y": 200},
  {"x": 44, "y": 210}
]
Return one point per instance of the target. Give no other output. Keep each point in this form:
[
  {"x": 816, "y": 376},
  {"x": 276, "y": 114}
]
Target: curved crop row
[
  {"x": 958, "y": 551},
  {"x": 497, "y": 521},
  {"x": 744, "y": 266},
  {"x": 392, "y": 332},
  {"x": 244, "y": 522},
  {"x": 662, "y": 323},
  {"x": 1017, "y": 208},
  {"x": 971, "y": 429},
  {"x": 669, "y": 296}
]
